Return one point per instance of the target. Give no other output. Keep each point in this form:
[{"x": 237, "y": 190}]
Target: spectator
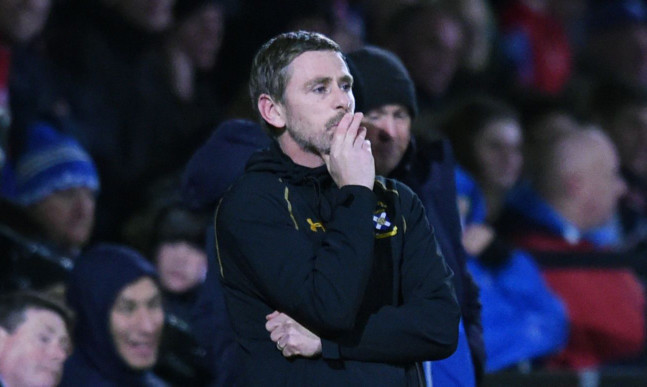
[
  {"x": 523, "y": 320},
  {"x": 481, "y": 68},
  {"x": 206, "y": 345},
  {"x": 488, "y": 139},
  {"x": 113, "y": 291},
  {"x": 56, "y": 182},
  {"x": 54, "y": 186},
  {"x": 429, "y": 38},
  {"x": 34, "y": 340},
  {"x": 220, "y": 161},
  {"x": 101, "y": 47},
  {"x": 537, "y": 46},
  {"x": 385, "y": 93},
  {"x": 574, "y": 190},
  {"x": 182, "y": 106}
]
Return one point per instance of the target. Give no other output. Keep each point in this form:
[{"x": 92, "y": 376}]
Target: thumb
[{"x": 326, "y": 158}]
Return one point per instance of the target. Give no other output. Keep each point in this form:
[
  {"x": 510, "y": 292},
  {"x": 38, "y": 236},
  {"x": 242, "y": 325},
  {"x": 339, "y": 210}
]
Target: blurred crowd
[{"x": 122, "y": 122}]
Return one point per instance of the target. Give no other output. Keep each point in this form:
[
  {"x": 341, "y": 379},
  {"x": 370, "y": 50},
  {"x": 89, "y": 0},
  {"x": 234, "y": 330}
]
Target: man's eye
[
  {"x": 125, "y": 308},
  {"x": 346, "y": 87},
  {"x": 319, "y": 89},
  {"x": 44, "y": 339},
  {"x": 155, "y": 303}
]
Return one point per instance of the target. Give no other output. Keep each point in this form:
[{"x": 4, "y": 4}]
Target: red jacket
[{"x": 606, "y": 306}]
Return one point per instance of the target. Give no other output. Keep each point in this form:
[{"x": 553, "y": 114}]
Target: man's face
[
  {"x": 317, "y": 95},
  {"x": 66, "y": 216},
  {"x": 389, "y": 130},
  {"x": 21, "y": 20},
  {"x": 151, "y": 15},
  {"x": 201, "y": 35},
  {"x": 602, "y": 185},
  {"x": 498, "y": 153},
  {"x": 434, "y": 52},
  {"x": 181, "y": 266},
  {"x": 33, "y": 355},
  {"x": 136, "y": 322}
]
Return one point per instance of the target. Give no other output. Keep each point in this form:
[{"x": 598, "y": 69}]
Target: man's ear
[{"x": 271, "y": 111}]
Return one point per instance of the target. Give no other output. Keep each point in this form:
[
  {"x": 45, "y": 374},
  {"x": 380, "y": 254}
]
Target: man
[
  {"x": 430, "y": 39},
  {"x": 386, "y": 96},
  {"x": 343, "y": 264},
  {"x": 113, "y": 291},
  {"x": 34, "y": 340},
  {"x": 575, "y": 189},
  {"x": 56, "y": 183},
  {"x": 52, "y": 210}
]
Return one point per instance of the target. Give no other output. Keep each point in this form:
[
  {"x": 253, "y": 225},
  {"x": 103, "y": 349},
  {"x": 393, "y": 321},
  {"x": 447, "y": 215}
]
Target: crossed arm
[{"x": 423, "y": 327}]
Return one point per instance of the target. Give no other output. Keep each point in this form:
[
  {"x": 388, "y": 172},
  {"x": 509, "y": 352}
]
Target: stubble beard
[{"x": 318, "y": 143}]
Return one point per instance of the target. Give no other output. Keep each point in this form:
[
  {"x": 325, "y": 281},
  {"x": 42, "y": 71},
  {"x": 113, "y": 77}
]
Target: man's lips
[{"x": 142, "y": 348}]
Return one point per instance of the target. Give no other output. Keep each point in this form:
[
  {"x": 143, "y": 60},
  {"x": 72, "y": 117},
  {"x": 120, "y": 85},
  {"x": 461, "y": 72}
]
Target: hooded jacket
[
  {"x": 359, "y": 268},
  {"x": 95, "y": 282}
]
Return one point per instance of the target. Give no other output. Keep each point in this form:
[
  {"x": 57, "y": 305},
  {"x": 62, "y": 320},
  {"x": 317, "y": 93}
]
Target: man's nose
[
  {"x": 58, "y": 352},
  {"x": 343, "y": 100},
  {"x": 147, "y": 321},
  {"x": 84, "y": 202},
  {"x": 388, "y": 127}
]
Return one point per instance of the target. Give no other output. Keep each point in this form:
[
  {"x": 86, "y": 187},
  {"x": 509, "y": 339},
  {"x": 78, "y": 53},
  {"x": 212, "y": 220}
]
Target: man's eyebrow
[
  {"x": 347, "y": 78},
  {"x": 318, "y": 80}
]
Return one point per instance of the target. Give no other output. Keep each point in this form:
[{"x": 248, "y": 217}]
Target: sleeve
[
  {"x": 473, "y": 323},
  {"x": 319, "y": 284},
  {"x": 425, "y": 325}
]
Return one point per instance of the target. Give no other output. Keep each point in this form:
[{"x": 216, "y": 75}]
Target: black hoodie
[{"x": 359, "y": 268}]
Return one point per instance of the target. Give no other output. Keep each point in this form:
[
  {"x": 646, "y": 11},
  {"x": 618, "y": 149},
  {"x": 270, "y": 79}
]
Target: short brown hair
[
  {"x": 14, "y": 305},
  {"x": 269, "y": 68}
]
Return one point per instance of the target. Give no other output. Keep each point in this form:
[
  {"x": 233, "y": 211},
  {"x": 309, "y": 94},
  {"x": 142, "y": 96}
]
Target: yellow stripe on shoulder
[
  {"x": 384, "y": 187},
  {"x": 286, "y": 196}
]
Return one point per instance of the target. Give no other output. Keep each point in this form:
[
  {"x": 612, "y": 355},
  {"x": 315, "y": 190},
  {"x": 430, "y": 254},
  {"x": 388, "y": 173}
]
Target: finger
[
  {"x": 272, "y": 315},
  {"x": 274, "y": 323},
  {"x": 271, "y": 325},
  {"x": 276, "y": 335},
  {"x": 367, "y": 145},
  {"x": 353, "y": 127},
  {"x": 340, "y": 130},
  {"x": 361, "y": 136}
]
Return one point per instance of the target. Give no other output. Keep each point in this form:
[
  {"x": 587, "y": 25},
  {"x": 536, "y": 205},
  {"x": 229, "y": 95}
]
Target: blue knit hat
[{"x": 51, "y": 161}]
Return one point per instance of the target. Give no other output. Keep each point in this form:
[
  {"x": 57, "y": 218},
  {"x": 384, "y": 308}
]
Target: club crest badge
[{"x": 383, "y": 225}]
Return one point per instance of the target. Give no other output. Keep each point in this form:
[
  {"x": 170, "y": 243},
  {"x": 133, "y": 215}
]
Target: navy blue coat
[{"x": 95, "y": 282}]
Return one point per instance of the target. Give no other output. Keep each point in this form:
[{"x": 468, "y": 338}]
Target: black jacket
[
  {"x": 359, "y": 268},
  {"x": 428, "y": 169}
]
